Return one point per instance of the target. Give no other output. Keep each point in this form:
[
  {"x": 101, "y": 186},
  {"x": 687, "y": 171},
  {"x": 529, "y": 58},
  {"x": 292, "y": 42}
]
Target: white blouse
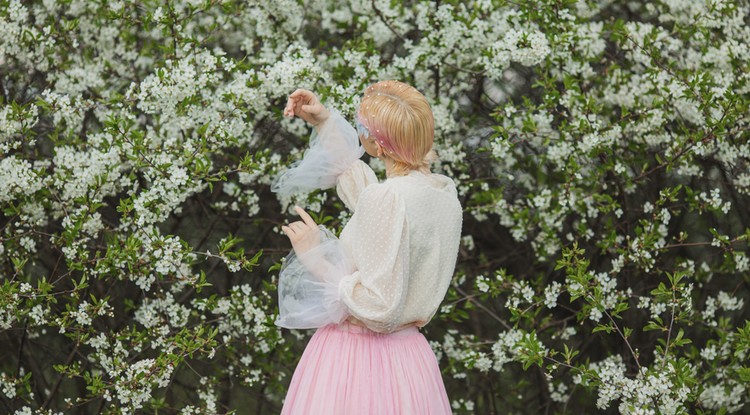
[{"x": 394, "y": 260}]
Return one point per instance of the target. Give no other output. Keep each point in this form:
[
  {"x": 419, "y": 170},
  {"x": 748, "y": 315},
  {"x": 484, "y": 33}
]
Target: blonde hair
[{"x": 400, "y": 119}]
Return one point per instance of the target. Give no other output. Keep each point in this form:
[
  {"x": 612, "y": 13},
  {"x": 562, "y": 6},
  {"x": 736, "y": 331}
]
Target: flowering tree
[{"x": 600, "y": 150}]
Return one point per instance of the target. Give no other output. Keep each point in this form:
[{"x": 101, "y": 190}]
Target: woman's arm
[
  {"x": 351, "y": 183},
  {"x": 333, "y": 148},
  {"x": 321, "y": 284},
  {"x": 379, "y": 243},
  {"x": 310, "y": 276}
]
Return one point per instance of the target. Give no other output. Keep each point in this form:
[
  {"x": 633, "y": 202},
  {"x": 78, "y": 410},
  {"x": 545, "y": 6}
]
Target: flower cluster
[{"x": 599, "y": 149}]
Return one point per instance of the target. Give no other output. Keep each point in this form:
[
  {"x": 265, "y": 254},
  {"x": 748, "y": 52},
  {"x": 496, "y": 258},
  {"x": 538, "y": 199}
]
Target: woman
[{"x": 369, "y": 291}]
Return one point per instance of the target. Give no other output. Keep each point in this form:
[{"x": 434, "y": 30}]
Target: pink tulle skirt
[{"x": 347, "y": 369}]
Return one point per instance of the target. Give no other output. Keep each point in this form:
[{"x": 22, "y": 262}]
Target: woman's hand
[
  {"x": 303, "y": 234},
  {"x": 305, "y": 104}
]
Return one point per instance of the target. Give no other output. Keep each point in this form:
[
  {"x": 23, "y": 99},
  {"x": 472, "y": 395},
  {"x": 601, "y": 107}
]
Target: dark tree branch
[
  {"x": 59, "y": 380},
  {"x": 2, "y": 92}
]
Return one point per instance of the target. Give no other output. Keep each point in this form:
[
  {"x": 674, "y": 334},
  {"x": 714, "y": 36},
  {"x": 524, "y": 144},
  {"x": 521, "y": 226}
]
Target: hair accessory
[
  {"x": 364, "y": 131},
  {"x": 361, "y": 129}
]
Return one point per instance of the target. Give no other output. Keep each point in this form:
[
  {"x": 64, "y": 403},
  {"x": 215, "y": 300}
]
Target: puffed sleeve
[
  {"x": 334, "y": 147},
  {"x": 379, "y": 244},
  {"x": 309, "y": 285},
  {"x": 353, "y": 181}
]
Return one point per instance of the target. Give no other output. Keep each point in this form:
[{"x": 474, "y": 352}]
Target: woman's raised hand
[
  {"x": 303, "y": 234},
  {"x": 305, "y": 104}
]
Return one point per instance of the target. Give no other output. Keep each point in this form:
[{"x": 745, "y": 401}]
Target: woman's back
[
  {"x": 404, "y": 248},
  {"x": 434, "y": 216}
]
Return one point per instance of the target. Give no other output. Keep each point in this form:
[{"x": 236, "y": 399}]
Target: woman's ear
[{"x": 380, "y": 152}]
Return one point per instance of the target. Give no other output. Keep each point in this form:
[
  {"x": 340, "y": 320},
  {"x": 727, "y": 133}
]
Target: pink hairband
[{"x": 363, "y": 130}]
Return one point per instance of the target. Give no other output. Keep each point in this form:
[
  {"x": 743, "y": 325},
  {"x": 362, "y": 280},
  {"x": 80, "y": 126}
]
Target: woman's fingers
[
  {"x": 289, "y": 109},
  {"x": 303, "y": 95},
  {"x": 298, "y": 92},
  {"x": 298, "y": 227},
  {"x": 299, "y": 101},
  {"x": 293, "y": 106},
  {"x": 309, "y": 221},
  {"x": 303, "y": 234}
]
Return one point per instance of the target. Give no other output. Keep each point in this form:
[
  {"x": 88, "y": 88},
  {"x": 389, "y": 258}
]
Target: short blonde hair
[{"x": 399, "y": 118}]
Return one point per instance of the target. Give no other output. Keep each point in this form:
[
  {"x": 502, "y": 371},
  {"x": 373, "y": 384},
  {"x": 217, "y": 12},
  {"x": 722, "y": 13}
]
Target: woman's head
[{"x": 399, "y": 119}]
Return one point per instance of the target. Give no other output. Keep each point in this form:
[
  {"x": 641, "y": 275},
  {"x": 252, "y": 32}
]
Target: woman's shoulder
[
  {"x": 380, "y": 194},
  {"x": 418, "y": 179},
  {"x": 394, "y": 190}
]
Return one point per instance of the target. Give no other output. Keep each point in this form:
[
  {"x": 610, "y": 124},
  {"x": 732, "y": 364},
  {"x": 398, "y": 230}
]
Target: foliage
[{"x": 601, "y": 154}]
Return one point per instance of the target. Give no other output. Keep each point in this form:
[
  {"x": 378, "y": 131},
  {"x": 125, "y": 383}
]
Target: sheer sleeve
[
  {"x": 375, "y": 292},
  {"x": 309, "y": 285},
  {"x": 353, "y": 181},
  {"x": 334, "y": 147}
]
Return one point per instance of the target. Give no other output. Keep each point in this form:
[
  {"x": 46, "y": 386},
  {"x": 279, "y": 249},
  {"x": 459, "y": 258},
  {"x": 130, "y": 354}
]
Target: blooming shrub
[{"x": 600, "y": 150}]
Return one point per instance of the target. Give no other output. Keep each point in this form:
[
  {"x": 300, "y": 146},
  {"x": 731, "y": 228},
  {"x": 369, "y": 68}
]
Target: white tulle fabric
[
  {"x": 333, "y": 147},
  {"x": 309, "y": 285}
]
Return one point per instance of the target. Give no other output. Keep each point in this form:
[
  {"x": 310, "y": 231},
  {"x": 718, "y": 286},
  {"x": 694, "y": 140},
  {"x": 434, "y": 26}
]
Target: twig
[
  {"x": 483, "y": 308},
  {"x": 20, "y": 348},
  {"x": 669, "y": 332},
  {"x": 617, "y": 328},
  {"x": 2, "y": 91},
  {"x": 385, "y": 21},
  {"x": 173, "y": 16},
  {"x": 59, "y": 379},
  {"x": 403, "y": 39}
]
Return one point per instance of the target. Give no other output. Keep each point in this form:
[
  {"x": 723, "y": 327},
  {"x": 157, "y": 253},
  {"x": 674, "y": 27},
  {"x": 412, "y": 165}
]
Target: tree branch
[
  {"x": 56, "y": 386},
  {"x": 2, "y": 91}
]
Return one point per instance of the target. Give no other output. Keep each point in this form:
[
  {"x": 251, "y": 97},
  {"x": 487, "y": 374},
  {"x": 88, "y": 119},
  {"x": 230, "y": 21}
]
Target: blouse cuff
[
  {"x": 334, "y": 146},
  {"x": 309, "y": 285}
]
